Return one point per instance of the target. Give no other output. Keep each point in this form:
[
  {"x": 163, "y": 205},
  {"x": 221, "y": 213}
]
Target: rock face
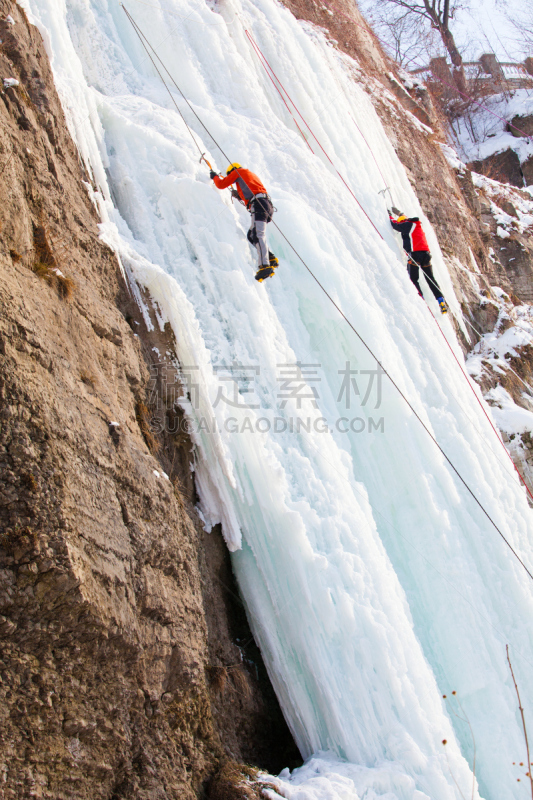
[
  {"x": 120, "y": 672},
  {"x": 504, "y": 167},
  {"x": 522, "y": 126}
]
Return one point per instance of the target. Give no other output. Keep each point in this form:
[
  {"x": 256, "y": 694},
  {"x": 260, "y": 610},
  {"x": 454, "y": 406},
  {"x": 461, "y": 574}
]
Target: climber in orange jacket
[
  {"x": 418, "y": 255},
  {"x": 252, "y": 194}
]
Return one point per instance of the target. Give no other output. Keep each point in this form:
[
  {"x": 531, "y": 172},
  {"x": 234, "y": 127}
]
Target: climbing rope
[
  {"x": 467, "y": 378},
  {"x": 264, "y": 61},
  {"x": 141, "y": 37},
  {"x": 146, "y": 44},
  {"x": 267, "y": 68},
  {"x": 371, "y": 152}
]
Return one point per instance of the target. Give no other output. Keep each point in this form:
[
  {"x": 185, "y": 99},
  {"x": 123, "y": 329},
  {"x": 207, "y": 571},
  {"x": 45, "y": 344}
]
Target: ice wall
[{"x": 373, "y": 581}]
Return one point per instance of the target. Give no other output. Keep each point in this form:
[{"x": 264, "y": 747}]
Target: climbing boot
[
  {"x": 442, "y": 305},
  {"x": 272, "y": 260},
  {"x": 265, "y": 271}
]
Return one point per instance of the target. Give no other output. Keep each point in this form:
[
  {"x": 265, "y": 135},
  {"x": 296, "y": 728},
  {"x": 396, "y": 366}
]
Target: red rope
[
  {"x": 480, "y": 403},
  {"x": 371, "y": 151},
  {"x": 261, "y": 57},
  {"x": 264, "y": 62},
  {"x": 269, "y": 69}
]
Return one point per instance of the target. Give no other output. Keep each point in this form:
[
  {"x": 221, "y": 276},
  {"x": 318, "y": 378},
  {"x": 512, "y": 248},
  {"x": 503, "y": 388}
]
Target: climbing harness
[{"x": 146, "y": 44}]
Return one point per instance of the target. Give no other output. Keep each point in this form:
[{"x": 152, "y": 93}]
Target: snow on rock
[
  {"x": 521, "y": 220},
  {"x": 324, "y": 777},
  {"x": 485, "y": 133},
  {"x": 452, "y": 158},
  {"x": 409, "y": 80},
  {"x": 9, "y": 83},
  {"x": 493, "y": 363},
  {"x": 513, "y": 332},
  {"x": 372, "y": 580},
  {"x": 510, "y": 418},
  {"x": 502, "y": 233}
]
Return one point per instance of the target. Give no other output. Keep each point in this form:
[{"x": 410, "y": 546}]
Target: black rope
[
  {"x": 141, "y": 36},
  {"x": 341, "y": 312},
  {"x": 330, "y": 298}
]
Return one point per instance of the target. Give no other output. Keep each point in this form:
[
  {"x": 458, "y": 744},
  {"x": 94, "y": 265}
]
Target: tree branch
[{"x": 523, "y": 721}]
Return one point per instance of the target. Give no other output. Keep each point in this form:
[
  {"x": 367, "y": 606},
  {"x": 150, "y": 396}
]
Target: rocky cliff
[{"x": 127, "y": 666}]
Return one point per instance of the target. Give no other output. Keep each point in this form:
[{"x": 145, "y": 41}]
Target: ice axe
[
  {"x": 234, "y": 194},
  {"x": 387, "y": 189},
  {"x": 203, "y": 158}
]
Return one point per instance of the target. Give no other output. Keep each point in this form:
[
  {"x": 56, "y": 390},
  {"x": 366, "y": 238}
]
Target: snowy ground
[
  {"x": 484, "y": 134},
  {"x": 374, "y": 582}
]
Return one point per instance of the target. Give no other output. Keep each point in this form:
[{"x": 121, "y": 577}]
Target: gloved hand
[
  {"x": 212, "y": 174},
  {"x": 396, "y": 211}
]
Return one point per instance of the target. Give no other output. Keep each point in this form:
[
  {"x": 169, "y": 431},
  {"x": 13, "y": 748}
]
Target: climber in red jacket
[
  {"x": 252, "y": 194},
  {"x": 418, "y": 254}
]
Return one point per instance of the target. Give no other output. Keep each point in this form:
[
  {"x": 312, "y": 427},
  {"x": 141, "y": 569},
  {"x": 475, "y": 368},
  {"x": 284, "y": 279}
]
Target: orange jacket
[{"x": 248, "y": 184}]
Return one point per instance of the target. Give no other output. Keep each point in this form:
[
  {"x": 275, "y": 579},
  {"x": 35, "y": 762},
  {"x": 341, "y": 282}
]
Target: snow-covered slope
[
  {"x": 484, "y": 132},
  {"x": 375, "y": 583}
]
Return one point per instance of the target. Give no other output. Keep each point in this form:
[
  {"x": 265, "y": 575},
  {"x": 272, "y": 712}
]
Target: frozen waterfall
[{"x": 373, "y": 581}]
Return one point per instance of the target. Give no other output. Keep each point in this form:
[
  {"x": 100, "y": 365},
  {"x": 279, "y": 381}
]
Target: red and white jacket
[{"x": 413, "y": 237}]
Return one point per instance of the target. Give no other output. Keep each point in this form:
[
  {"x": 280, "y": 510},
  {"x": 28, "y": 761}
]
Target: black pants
[{"x": 422, "y": 258}]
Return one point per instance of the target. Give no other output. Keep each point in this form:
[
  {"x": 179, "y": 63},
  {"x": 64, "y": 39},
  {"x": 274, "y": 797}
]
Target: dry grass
[
  {"x": 240, "y": 680},
  {"x": 23, "y": 94},
  {"x": 219, "y": 676},
  {"x": 142, "y": 415},
  {"x": 46, "y": 267},
  {"x": 65, "y": 286},
  {"x": 232, "y": 782},
  {"x": 87, "y": 378},
  {"x": 30, "y": 481},
  {"x": 179, "y": 492},
  {"x": 44, "y": 271}
]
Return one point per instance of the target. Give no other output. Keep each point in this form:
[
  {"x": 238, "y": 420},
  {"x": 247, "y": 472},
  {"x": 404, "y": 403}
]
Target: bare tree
[
  {"x": 438, "y": 13},
  {"x": 401, "y": 31},
  {"x": 522, "y": 22}
]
